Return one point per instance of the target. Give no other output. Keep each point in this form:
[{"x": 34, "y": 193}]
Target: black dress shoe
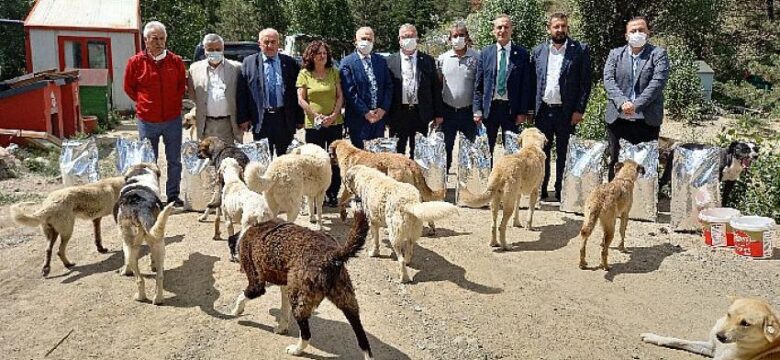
[
  {"x": 177, "y": 203},
  {"x": 544, "y": 195}
]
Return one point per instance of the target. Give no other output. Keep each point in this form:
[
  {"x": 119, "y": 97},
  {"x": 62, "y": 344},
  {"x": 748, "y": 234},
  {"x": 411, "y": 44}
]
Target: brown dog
[
  {"x": 309, "y": 266},
  {"x": 749, "y": 331},
  {"x": 605, "y": 204},
  {"x": 216, "y": 150}
]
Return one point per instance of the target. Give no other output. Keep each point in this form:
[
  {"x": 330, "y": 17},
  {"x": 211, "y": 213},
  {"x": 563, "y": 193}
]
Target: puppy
[
  {"x": 188, "y": 123},
  {"x": 511, "y": 178},
  {"x": 216, "y": 150},
  {"x": 749, "y": 331},
  {"x": 58, "y": 212},
  {"x": 309, "y": 266},
  {"x": 397, "y": 206},
  {"x": 606, "y": 203},
  {"x": 734, "y": 160},
  {"x": 141, "y": 218},
  {"x": 239, "y": 204}
]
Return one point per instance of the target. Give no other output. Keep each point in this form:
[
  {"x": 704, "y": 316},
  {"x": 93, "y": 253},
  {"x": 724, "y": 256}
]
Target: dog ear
[
  {"x": 771, "y": 326},
  {"x": 640, "y": 169},
  {"x": 732, "y": 146},
  {"x": 618, "y": 166}
]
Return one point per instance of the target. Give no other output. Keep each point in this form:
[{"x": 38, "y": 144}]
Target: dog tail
[
  {"x": 431, "y": 210},
  {"x": 355, "y": 241},
  {"x": 22, "y": 217},
  {"x": 591, "y": 216},
  {"x": 475, "y": 201},
  {"x": 158, "y": 229},
  {"x": 426, "y": 192},
  {"x": 253, "y": 176}
]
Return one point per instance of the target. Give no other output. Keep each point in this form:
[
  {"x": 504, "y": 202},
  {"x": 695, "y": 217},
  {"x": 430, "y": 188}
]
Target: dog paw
[
  {"x": 494, "y": 244},
  {"x": 281, "y": 330},
  {"x": 102, "y": 250},
  {"x": 158, "y": 300},
  {"x": 605, "y": 267},
  {"x": 45, "y": 271},
  {"x": 293, "y": 350},
  {"x": 216, "y": 238},
  {"x": 203, "y": 219},
  {"x": 69, "y": 265},
  {"x": 405, "y": 280},
  {"x": 650, "y": 338},
  {"x": 583, "y": 265},
  {"x": 374, "y": 253},
  {"x": 140, "y": 297}
]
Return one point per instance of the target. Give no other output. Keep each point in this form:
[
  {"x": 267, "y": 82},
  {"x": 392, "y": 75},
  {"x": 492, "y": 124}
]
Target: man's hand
[
  {"x": 520, "y": 118},
  {"x": 244, "y": 126},
  {"x": 370, "y": 116},
  {"x": 478, "y": 119},
  {"x": 628, "y": 108},
  {"x": 380, "y": 113},
  {"x": 576, "y": 118},
  {"x": 438, "y": 120}
]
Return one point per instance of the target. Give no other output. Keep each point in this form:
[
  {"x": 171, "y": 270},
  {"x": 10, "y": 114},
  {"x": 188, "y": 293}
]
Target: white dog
[{"x": 398, "y": 207}]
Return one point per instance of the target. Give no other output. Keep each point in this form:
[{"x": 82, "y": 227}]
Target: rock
[
  {"x": 417, "y": 308},
  {"x": 664, "y": 231}
]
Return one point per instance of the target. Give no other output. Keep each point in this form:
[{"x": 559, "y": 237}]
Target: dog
[
  {"x": 397, "y": 206},
  {"x": 216, "y": 150},
  {"x": 58, "y": 212},
  {"x": 734, "y": 160},
  {"x": 397, "y": 166},
  {"x": 239, "y": 204},
  {"x": 319, "y": 153},
  {"x": 749, "y": 331},
  {"x": 142, "y": 218},
  {"x": 288, "y": 179},
  {"x": 188, "y": 123},
  {"x": 309, "y": 266},
  {"x": 605, "y": 204},
  {"x": 512, "y": 177}
]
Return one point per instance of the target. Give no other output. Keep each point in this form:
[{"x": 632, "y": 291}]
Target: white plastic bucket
[
  {"x": 715, "y": 226},
  {"x": 753, "y": 236}
]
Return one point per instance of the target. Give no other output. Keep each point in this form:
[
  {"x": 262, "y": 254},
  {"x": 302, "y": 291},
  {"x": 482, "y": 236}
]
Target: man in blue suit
[
  {"x": 503, "y": 86},
  {"x": 562, "y": 71},
  {"x": 368, "y": 89},
  {"x": 634, "y": 76}
]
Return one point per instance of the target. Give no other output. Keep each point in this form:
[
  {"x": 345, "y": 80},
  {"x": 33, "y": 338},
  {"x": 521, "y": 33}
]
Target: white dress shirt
[
  {"x": 216, "y": 102},
  {"x": 552, "y": 88},
  {"x": 409, "y": 77},
  {"x": 508, "y": 49}
]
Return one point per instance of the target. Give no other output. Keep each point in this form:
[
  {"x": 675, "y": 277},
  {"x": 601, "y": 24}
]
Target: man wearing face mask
[
  {"x": 416, "y": 91},
  {"x": 213, "y": 85},
  {"x": 457, "y": 69},
  {"x": 368, "y": 90},
  {"x": 634, "y": 76},
  {"x": 562, "y": 72}
]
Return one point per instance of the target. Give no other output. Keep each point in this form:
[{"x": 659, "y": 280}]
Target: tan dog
[
  {"x": 188, "y": 123},
  {"x": 749, "y": 331},
  {"x": 57, "y": 214},
  {"x": 605, "y": 204},
  {"x": 512, "y": 177}
]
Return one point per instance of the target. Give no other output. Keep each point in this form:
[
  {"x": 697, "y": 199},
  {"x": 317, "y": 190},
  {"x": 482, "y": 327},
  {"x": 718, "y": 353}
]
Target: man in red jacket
[{"x": 155, "y": 80}]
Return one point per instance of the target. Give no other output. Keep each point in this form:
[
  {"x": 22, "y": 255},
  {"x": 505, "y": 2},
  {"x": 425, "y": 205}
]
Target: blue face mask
[{"x": 215, "y": 57}]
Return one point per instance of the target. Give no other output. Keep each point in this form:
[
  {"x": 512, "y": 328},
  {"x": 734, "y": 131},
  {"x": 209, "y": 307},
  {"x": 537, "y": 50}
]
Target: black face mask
[{"x": 559, "y": 40}]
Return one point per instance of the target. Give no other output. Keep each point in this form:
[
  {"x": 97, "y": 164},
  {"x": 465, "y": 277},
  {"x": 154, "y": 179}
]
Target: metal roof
[{"x": 85, "y": 14}]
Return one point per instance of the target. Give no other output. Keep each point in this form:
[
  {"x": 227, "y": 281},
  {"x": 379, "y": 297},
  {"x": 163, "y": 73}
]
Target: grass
[{"x": 12, "y": 198}]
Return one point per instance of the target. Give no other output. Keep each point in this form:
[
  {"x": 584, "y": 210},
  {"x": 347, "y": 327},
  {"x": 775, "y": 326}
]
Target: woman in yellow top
[{"x": 319, "y": 94}]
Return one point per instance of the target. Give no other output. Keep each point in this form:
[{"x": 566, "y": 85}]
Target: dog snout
[{"x": 721, "y": 336}]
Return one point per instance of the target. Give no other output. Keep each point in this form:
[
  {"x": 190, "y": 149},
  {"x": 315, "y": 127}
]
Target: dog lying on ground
[
  {"x": 512, "y": 177},
  {"x": 239, "y": 204},
  {"x": 309, "y": 266},
  {"x": 605, "y": 204},
  {"x": 58, "y": 212},
  {"x": 734, "y": 160},
  {"x": 141, "y": 218},
  {"x": 216, "y": 150},
  {"x": 397, "y": 206},
  {"x": 749, "y": 331},
  {"x": 397, "y": 166}
]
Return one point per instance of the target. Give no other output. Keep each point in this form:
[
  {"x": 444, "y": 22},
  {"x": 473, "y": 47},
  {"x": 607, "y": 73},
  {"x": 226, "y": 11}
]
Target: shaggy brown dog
[
  {"x": 57, "y": 214},
  {"x": 606, "y": 203},
  {"x": 216, "y": 150},
  {"x": 309, "y": 266}
]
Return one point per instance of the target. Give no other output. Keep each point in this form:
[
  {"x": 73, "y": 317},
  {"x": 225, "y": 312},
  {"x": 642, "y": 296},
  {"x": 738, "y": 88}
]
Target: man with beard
[{"x": 562, "y": 70}]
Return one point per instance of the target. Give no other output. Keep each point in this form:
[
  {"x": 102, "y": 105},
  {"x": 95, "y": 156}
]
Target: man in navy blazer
[
  {"x": 562, "y": 72},
  {"x": 503, "y": 86},
  {"x": 634, "y": 76},
  {"x": 270, "y": 100},
  {"x": 365, "y": 80}
]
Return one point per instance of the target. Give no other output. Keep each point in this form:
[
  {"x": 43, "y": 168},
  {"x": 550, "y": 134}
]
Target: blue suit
[
  {"x": 519, "y": 87},
  {"x": 357, "y": 92}
]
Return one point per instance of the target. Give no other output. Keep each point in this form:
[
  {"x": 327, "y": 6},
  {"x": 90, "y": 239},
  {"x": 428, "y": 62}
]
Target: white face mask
[
  {"x": 637, "y": 39},
  {"x": 458, "y": 43},
  {"x": 365, "y": 47},
  {"x": 215, "y": 57},
  {"x": 409, "y": 44}
]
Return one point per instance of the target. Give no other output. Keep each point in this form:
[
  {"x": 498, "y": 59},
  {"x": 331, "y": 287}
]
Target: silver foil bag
[
  {"x": 473, "y": 166},
  {"x": 511, "y": 143},
  {"x": 645, "y": 206},
  {"x": 294, "y": 144},
  {"x": 430, "y": 153},
  {"x": 258, "y": 152},
  {"x": 381, "y": 145},
  {"x": 132, "y": 152},
  {"x": 584, "y": 171},
  {"x": 79, "y": 162},
  {"x": 695, "y": 185},
  {"x": 198, "y": 180}
]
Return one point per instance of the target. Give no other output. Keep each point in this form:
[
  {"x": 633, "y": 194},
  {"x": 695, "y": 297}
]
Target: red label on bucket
[{"x": 757, "y": 248}]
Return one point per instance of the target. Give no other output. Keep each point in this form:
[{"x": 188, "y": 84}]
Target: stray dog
[
  {"x": 749, "y": 331},
  {"x": 397, "y": 166},
  {"x": 606, "y": 203},
  {"x": 216, "y": 150},
  {"x": 322, "y": 154},
  {"x": 511, "y": 178},
  {"x": 734, "y": 160},
  {"x": 239, "y": 204},
  {"x": 58, "y": 212},
  {"x": 188, "y": 123},
  {"x": 397, "y": 206},
  {"x": 309, "y": 266},
  {"x": 141, "y": 218}
]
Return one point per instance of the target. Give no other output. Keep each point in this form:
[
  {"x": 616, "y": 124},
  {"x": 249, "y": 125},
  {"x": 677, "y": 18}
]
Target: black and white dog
[{"x": 733, "y": 161}]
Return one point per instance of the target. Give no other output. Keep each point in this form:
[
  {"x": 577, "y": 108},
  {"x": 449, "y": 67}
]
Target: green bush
[
  {"x": 738, "y": 95},
  {"x": 593, "y": 126},
  {"x": 682, "y": 95},
  {"x": 527, "y": 21}
]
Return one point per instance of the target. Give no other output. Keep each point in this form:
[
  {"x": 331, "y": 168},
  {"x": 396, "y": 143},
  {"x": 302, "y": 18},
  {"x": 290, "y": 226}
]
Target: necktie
[
  {"x": 411, "y": 85},
  {"x": 502, "y": 73},
  {"x": 272, "y": 101},
  {"x": 371, "y": 81}
]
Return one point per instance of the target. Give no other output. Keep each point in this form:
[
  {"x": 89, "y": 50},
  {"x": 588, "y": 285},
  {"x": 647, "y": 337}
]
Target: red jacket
[{"x": 156, "y": 87}]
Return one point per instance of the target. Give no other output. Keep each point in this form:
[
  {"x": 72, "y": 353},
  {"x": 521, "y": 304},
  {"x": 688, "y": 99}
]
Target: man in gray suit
[{"x": 635, "y": 76}]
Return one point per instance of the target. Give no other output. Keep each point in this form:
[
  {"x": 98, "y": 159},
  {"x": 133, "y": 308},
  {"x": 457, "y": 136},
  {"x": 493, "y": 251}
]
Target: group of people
[{"x": 500, "y": 86}]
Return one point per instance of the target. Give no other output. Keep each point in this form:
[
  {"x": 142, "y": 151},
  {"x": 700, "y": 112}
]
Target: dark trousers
[
  {"x": 457, "y": 120},
  {"x": 170, "y": 131},
  {"x": 499, "y": 116},
  {"x": 406, "y": 124},
  {"x": 554, "y": 124},
  {"x": 366, "y": 131},
  {"x": 323, "y": 138},
  {"x": 635, "y": 132},
  {"x": 274, "y": 129}
]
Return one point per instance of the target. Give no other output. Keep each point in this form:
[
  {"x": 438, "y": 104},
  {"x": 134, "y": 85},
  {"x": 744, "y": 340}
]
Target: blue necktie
[{"x": 272, "y": 103}]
